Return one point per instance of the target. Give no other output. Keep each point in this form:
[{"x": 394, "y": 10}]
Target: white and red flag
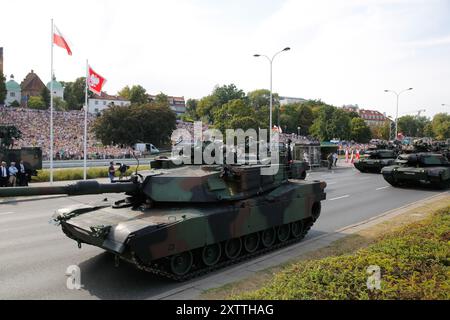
[
  {"x": 60, "y": 41},
  {"x": 95, "y": 81}
]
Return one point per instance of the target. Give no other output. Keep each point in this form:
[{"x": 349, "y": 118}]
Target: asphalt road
[{"x": 34, "y": 254}]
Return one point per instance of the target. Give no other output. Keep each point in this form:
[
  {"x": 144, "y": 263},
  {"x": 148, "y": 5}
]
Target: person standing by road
[
  {"x": 335, "y": 158},
  {"x": 12, "y": 174},
  {"x": 330, "y": 160},
  {"x": 4, "y": 174},
  {"x": 111, "y": 171},
  {"x": 22, "y": 175}
]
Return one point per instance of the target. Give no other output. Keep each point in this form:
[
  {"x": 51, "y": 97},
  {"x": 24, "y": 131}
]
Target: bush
[
  {"x": 414, "y": 262},
  {"x": 77, "y": 174}
]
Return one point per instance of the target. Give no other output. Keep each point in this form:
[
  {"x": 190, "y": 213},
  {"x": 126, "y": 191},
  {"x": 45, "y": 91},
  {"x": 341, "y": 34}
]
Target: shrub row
[
  {"x": 414, "y": 263},
  {"x": 77, "y": 174}
]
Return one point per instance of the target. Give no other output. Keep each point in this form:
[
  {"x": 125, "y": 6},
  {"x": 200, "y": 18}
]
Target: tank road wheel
[
  {"x": 211, "y": 254},
  {"x": 297, "y": 228},
  {"x": 180, "y": 264},
  {"x": 268, "y": 237},
  {"x": 233, "y": 248},
  {"x": 251, "y": 242},
  {"x": 283, "y": 232}
]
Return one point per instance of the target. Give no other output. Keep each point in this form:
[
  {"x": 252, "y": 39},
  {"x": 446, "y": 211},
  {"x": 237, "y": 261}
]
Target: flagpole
[
  {"x": 51, "y": 109},
  {"x": 85, "y": 120}
]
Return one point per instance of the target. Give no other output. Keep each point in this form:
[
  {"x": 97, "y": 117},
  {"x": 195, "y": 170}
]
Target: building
[
  {"x": 177, "y": 104},
  {"x": 31, "y": 86},
  {"x": 372, "y": 118},
  {"x": 98, "y": 103},
  {"x": 13, "y": 92},
  {"x": 291, "y": 100},
  {"x": 58, "y": 89}
]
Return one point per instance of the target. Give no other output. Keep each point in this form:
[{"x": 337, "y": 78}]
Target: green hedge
[
  {"x": 414, "y": 262},
  {"x": 77, "y": 174}
]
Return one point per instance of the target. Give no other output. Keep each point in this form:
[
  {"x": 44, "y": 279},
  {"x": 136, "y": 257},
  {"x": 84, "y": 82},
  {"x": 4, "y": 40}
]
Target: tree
[
  {"x": 220, "y": 96},
  {"x": 441, "y": 126},
  {"x": 151, "y": 122},
  {"x": 359, "y": 131},
  {"x": 138, "y": 95},
  {"x": 124, "y": 93},
  {"x": 236, "y": 114},
  {"x": 407, "y": 125},
  {"x": 191, "y": 109},
  {"x": 7, "y": 136},
  {"x": 36, "y": 103},
  {"x": 2, "y": 89},
  {"x": 59, "y": 104},
  {"x": 261, "y": 97},
  {"x": 15, "y": 104},
  {"x": 45, "y": 95},
  {"x": 162, "y": 99},
  {"x": 74, "y": 93},
  {"x": 330, "y": 122}
]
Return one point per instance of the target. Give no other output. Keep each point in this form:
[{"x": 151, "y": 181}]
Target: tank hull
[
  {"x": 373, "y": 166},
  {"x": 437, "y": 177},
  {"x": 151, "y": 238}
]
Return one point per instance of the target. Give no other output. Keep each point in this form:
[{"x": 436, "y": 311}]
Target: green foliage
[
  {"x": 124, "y": 93},
  {"x": 359, "y": 131},
  {"x": 138, "y": 95},
  {"x": 191, "y": 109},
  {"x": 441, "y": 126},
  {"x": 2, "y": 88},
  {"x": 220, "y": 96},
  {"x": 59, "y": 104},
  {"x": 152, "y": 122},
  {"x": 235, "y": 114},
  {"x": 330, "y": 123},
  {"x": 294, "y": 116},
  {"x": 162, "y": 99},
  {"x": 77, "y": 174},
  {"x": 74, "y": 93},
  {"x": 15, "y": 104},
  {"x": 36, "y": 103},
  {"x": 45, "y": 95},
  {"x": 261, "y": 98},
  {"x": 414, "y": 262},
  {"x": 7, "y": 136}
]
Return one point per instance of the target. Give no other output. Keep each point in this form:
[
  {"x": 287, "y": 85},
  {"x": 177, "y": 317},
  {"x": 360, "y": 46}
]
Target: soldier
[
  {"x": 111, "y": 171},
  {"x": 22, "y": 175},
  {"x": 330, "y": 160}
]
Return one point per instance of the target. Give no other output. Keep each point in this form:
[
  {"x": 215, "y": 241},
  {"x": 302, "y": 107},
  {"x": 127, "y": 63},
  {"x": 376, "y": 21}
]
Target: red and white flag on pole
[
  {"x": 60, "y": 41},
  {"x": 95, "y": 81}
]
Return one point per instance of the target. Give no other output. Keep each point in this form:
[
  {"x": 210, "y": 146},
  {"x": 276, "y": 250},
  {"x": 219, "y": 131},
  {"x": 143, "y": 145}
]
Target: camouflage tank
[
  {"x": 419, "y": 168},
  {"x": 187, "y": 221},
  {"x": 375, "y": 160}
]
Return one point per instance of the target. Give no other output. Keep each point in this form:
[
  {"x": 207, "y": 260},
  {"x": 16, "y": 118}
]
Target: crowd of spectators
[{"x": 68, "y": 128}]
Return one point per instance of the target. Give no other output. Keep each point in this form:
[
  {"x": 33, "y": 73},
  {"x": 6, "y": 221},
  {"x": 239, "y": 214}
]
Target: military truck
[
  {"x": 419, "y": 169},
  {"x": 375, "y": 160},
  {"x": 187, "y": 221}
]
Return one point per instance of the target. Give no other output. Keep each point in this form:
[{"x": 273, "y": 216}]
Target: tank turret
[{"x": 187, "y": 221}]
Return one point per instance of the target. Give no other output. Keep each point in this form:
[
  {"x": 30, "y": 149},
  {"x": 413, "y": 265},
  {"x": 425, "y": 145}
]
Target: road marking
[
  {"x": 382, "y": 188},
  {"x": 346, "y": 196},
  {"x": 331, "y": 183},
  {"x": 5, "y": 213}
]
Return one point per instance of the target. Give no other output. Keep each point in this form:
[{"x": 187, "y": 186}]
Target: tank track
[{"x": 202, "y": 271}]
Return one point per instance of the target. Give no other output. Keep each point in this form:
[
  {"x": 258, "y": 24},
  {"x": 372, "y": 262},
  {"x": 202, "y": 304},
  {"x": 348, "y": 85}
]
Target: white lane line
[
  {"x": 5, "y": 213},
  {"x": 346, "y": 196},
  {"x": 382, "y": 188},
  {"x": 331, "y": 183}
]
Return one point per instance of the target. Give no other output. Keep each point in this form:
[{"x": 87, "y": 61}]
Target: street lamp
[
  {"x": 271, "y": 63},
  {"x": 396, "y": 117},
  {"x": 298, "y": 131}
]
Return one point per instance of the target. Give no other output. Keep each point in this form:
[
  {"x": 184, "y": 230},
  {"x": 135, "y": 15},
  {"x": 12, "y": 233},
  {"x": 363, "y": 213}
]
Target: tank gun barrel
[{"x": 76, "y": 189}]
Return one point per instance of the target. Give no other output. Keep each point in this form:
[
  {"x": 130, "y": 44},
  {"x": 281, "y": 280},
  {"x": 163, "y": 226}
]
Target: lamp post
[
  {"x": 396, "y": 117},
  {"x": 298, "y": 131},
  {"x": 271, "y": 63}
]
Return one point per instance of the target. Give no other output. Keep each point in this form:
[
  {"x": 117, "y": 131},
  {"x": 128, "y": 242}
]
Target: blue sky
[{"x": 343, "y": 52}]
